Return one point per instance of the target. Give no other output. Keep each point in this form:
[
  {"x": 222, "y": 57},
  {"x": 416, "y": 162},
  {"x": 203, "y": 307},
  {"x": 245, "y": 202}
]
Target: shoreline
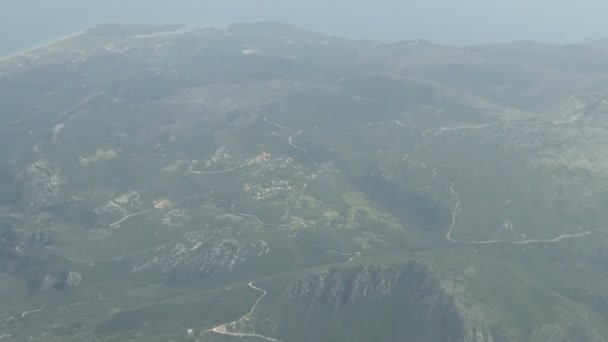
[{"x": 41, "y": 46}]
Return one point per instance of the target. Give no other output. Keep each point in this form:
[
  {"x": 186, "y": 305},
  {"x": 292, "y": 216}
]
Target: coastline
[{"x": 42, "y": 46}]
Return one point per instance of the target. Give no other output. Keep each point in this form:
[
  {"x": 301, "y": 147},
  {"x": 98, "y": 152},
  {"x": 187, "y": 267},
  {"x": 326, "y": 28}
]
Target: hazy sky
[{"x": 24, "y": 23}]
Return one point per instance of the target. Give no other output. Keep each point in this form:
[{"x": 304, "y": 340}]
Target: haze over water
[{"x": 27, "y": 23}]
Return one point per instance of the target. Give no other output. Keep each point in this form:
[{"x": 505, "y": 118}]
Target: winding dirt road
[
  {"x": 272, "y": 123},
  {"x": 117, "y": 223},
  {"x": 245, "y": 215},
  {"x": 219, "y": 171},
  {"x": 224, "y": 328},
  {"x": 487, "y": 242}
]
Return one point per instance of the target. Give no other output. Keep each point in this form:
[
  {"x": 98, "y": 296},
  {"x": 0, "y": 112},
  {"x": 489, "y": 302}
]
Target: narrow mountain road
[
  {"x": 224, "y": 328},
  {"x": 461, "y": 127},
  {"x": 245, "y": 215},
  {"x": 117, "y": 223},
  {"x": 219, "y": 171},
  {"x": 272, "y": 123},
  {"x": 290, "y": 138},
  {"x": 353, "y": 255},
  {"x": 457, "y": 210},
  {"x": 578, "y": 112}
]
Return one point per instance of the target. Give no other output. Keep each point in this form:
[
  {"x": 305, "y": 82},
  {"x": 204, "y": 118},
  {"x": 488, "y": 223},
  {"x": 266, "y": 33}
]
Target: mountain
[{"x": 262, "y": 182}]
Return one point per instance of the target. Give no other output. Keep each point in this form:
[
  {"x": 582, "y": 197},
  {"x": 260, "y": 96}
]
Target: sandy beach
[{"x": 45, "y": 45}]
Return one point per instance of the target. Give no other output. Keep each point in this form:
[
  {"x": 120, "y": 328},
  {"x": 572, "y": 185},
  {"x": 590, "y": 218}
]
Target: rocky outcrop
[
  {"x": 386, "y": 303},
  {"x": 579, "y": 331},
  {"x": 18, "y": 249},
  {"x": 42, "y": 184},
  {"x": 26, "y": 255},
  {"x": 196, "y": 254}
]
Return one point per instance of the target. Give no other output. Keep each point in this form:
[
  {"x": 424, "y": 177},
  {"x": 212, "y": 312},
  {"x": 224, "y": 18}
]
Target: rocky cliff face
[
  {"x": 575, "y": 331},
  {"x": 406, "y": 302},
  {"x": 391, "y": 302}
]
